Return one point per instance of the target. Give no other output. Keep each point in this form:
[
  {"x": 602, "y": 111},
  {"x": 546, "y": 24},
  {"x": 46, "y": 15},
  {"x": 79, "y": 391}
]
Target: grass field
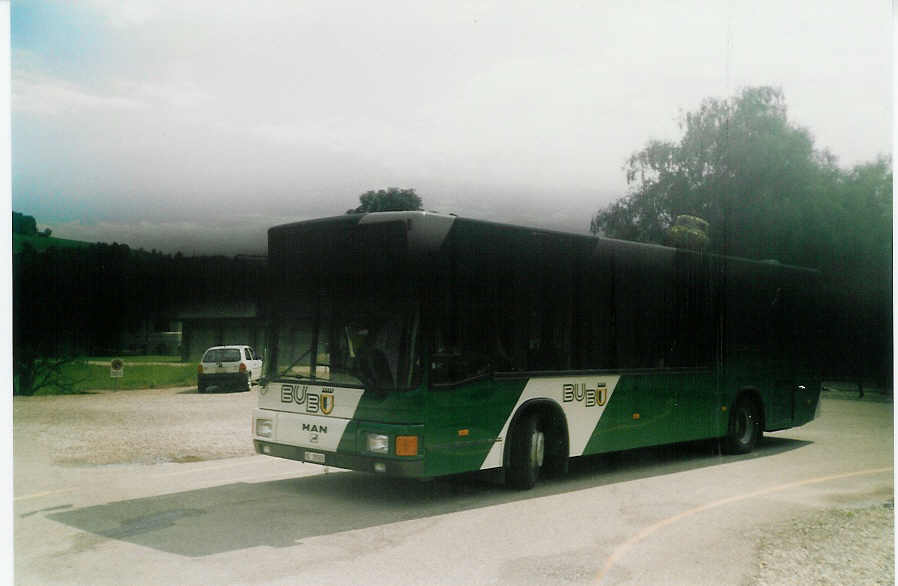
[
  {"x": 94, "y": 377},
  {"x": 136, "y": 359}
]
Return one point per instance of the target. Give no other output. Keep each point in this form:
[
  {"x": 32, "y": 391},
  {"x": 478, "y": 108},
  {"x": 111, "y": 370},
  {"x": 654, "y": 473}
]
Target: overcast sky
[{"x": 195, "y": 126}]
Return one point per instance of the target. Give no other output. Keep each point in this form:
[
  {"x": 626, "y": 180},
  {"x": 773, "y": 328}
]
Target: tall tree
[
  {"x": 393, "y": 199},
  {"x": 742, "y": 166}
]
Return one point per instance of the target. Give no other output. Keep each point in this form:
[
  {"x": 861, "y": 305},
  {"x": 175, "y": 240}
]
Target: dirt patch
[{"x": 833, "y": 546}]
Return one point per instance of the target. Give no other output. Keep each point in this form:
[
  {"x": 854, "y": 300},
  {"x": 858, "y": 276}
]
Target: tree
[
  {"x": 742, "y": 166},
  {"x": 22, "y": 224},
  {"x": 33, "y": 373},
  {"x": 688, "y": 232},
  {"x": 393, "y": 199},
  {"x": 862, "y": 261}
]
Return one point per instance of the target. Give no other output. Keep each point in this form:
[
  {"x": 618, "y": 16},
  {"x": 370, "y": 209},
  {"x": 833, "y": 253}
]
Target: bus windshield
[{"x": 365, "y": 340}]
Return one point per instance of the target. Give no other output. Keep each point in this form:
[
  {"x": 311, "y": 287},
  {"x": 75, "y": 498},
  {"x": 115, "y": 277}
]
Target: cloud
[
  {"x": 178, "y": 95},
  {"x": 201, "y": 110},
  {"x": 131, "y": 14},
  {"x": 39, "y": 94}
]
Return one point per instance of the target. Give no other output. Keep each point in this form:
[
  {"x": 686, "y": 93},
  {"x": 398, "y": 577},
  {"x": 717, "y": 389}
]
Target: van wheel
[
  {"x": 744, "y": 428},
  {"x": 528, "y": 445}
]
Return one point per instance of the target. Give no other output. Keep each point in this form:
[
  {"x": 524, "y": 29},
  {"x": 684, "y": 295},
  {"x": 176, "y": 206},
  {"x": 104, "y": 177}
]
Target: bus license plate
[{"x": 314, "y": 457}]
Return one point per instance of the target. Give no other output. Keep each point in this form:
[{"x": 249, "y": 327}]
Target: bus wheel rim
[{"x": 537, "y": 449}]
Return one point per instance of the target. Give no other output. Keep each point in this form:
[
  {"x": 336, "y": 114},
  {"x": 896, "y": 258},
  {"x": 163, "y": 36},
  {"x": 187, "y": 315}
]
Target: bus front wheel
[
  {"x": 528, "y": 448},
  {"x": 744, "y": 427}
]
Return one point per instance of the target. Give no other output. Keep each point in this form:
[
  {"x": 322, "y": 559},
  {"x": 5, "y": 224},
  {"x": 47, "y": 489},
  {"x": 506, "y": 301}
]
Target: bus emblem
[
  {"x": 294, "y": 394},
  {"x": 314, "y": 402},
  {"x": 327, "y": 401},
  {"x": 579, "y": 392}
]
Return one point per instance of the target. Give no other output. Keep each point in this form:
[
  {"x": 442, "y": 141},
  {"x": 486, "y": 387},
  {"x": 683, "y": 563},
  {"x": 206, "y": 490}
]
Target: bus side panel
[
  {"x": 641, "y": 412},
  {"x": 661, "y": 408},
  {"x": 703, "y": 408},
  {"x": 465, "y": 421},
  {"x": 775, "y": 386},
  {"x": 806, "y": 403}
]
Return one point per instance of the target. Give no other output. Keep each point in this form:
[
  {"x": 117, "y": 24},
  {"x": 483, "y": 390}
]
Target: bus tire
[
  {"x": 555, "y": 462},
  {"x": 527, "y": 452},
  {"x": 744, "y": 429}
]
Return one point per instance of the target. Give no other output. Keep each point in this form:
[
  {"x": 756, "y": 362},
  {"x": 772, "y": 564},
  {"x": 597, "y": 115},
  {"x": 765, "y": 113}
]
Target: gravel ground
[
  {"x": 133, "y": 427},
  {"x": 835, "y": 546}
]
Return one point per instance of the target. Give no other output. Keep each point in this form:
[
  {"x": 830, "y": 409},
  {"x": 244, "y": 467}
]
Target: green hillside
[{"x": 41, "y": 243}]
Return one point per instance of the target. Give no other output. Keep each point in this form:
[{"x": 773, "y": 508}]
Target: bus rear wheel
[
  {"x": 744, "y": 428},
  {"x": 528, "y": 449}
]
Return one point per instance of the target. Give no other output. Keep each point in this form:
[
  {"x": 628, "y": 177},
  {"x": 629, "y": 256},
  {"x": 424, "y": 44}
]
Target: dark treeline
[{"x": 80, "y": 301}]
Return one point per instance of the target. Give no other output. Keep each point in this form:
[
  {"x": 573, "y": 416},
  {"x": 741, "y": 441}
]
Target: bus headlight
[
  {"x": 263, "y": 427},
  {"x": 378, "y": 443}
]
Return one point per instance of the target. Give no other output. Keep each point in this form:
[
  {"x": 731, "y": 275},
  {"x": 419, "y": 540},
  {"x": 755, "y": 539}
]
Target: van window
[{"x": 222, "y": 355}]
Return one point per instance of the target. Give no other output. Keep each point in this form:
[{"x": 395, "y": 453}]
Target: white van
[{"x": 229, "y": 368}]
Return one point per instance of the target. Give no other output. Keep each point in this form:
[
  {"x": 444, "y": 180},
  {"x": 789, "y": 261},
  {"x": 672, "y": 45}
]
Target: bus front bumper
[{"x": 410, "y": 468}]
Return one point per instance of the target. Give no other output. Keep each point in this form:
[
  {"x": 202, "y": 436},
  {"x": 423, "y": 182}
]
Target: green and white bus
[{"x": 422, "y": 345}]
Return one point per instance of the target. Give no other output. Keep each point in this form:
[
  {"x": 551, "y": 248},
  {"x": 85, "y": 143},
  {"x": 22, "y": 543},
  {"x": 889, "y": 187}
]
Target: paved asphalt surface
[{"x": 162, "y": 487}]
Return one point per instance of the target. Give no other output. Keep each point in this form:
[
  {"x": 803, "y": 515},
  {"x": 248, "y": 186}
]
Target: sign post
[{"x": 116, "y": 370}]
